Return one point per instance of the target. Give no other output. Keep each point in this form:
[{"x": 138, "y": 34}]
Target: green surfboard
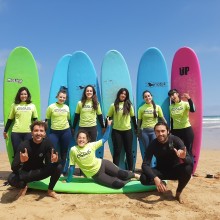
[
  {"x": 20, "y": 70},
  {"x": 88, "y": 186}
]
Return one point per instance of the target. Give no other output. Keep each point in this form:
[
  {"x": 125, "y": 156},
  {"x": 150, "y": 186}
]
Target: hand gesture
[
  {"x": 186, "y": 95},
  {"x": 54, "y": 156},
  {"x": 24, "y": 156},
  {"x": 180, "y": 153}
]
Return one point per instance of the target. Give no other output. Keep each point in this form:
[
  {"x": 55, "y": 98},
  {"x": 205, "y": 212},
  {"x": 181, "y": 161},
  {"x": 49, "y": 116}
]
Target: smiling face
[
  {"x": 38, "y": 133},
  {"x": 122, "y": 96},
  {"x": 175, "y": 97},
  {"x": 89, "y": 92},
  {"x": 161, "y": 133},
  {"x": 147, "y": 97},
  {"x": 23, "y": 96},
  {"x": 61, "y": 98},
  {"x": 82, "y": 139}
]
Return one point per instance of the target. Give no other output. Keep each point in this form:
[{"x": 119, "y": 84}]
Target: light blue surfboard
[
  {"x": 59, "y": 81},
  {"x": 81, "y": 73},
  {"x": 153, "y": 76},
  {"x": 114, "y": 76}
]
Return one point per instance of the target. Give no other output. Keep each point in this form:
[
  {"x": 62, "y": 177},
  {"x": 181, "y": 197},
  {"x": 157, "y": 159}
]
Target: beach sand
[{"x": 201, "y": 195}]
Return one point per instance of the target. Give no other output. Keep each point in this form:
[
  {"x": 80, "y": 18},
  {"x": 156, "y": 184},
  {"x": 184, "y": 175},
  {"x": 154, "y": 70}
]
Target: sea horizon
[{"x": 210, "y": 133}]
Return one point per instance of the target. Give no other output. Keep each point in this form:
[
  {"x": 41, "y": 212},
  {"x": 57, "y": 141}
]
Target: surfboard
[
  {"x": 114, "y": 76},
  {"x": 88, "y": 186},
  {"x": 153, "y": 76},
  {"x": 59, "y": 81},
  {"x": 186, "y": 77},
  {"x": 81, "y": 72},
  {"x": 20, "y": 70}
]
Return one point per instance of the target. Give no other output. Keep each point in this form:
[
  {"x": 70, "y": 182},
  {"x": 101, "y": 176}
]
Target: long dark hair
[
  {"x": 17, "y": 97},
  {"x": 153, "y": 103},
  {"x": 94, "y": 97},
  {"x": 127, "y": 102}
]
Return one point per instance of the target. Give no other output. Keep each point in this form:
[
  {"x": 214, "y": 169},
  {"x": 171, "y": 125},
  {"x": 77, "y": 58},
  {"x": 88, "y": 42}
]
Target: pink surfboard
[{"x": 186, "y": 77}]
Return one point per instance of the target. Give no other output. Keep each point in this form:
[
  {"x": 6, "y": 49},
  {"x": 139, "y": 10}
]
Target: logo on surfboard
[
  {"x": 183, "y": 70},
  {"x": 156, "y": 84},
  {"x": 15, "y": 80},
  {"x": 81, "y": 87}
]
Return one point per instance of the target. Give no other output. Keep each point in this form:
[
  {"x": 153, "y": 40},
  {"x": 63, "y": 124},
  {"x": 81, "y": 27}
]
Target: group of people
[{"x": 173, "y": 153}]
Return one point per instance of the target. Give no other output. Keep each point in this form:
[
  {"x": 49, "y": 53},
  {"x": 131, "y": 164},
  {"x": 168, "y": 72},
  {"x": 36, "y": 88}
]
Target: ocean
[{"x": 210, "y": 139}]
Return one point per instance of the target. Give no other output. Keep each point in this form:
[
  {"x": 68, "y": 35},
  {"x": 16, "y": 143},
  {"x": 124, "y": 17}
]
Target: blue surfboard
[
  {"x": 81, "y": 73},
  {"x": 115, "y": 75},
  {"x": 153, "y": 76},
  {"x": 59, "y": 81}
]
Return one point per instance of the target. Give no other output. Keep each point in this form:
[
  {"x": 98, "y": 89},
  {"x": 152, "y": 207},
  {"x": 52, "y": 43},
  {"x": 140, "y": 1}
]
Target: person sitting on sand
[
  {"x": 35, "y": 160},
  {"x": 173, "y": 161},
  {"x": 102, "y": 171}
]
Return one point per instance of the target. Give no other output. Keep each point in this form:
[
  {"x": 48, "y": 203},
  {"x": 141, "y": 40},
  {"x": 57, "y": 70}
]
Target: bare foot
[
  {"x": 179, "y": 198},
  {"x": 22, "y": 192},
  {"x": 52, "y": 194}
]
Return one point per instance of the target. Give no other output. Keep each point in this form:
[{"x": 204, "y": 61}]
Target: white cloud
[{"x": 4, "y": 53}]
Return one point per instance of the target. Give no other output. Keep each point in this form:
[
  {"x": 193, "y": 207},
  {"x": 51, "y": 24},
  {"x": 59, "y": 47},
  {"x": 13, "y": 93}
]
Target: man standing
[
  {"x": 173, "y": 161},
  {"x": 35, "y": 160}
]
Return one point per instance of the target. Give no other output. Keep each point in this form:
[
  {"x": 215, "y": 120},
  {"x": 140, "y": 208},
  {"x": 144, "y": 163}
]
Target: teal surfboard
[
  {"x": 59, "y": 79},
  {"x": 20, "y": 70},
  {"x": 88, "y": 186},
  {"x": 114, "y": 76},
  {"x": 81, "y": 72},
  {"x": 153, "y": 76}
]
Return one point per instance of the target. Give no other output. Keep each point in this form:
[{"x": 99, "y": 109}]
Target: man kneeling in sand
[
  {"x": 172, "y": 158},
  {"x": 35, "y": 160}
]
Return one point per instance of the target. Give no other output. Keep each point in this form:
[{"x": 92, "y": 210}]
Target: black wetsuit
[
  {"x": 38, "y": 166},
  {"x": 169, "y": 166}
]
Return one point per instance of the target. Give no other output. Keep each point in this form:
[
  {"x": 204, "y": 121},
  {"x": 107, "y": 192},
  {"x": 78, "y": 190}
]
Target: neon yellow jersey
[
  {"x": 85, "y": 158},
  {"x": 179, "y": 112},
  {"x": 59, "y": 114},
  {"x": 87, "y": 113},
  {"x": 120, "y": 122},
  {"x": 146, "y": 114},
  {"x": 23, "y": 114}
]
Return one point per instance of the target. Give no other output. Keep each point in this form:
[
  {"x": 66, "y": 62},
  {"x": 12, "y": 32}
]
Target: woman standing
[
  {"x": 87, "y": 111},
  {"x": 122, "y": 113},
  {"x": 22, "y": 113},
  {"x": 179, "y": 112},
  {"x": 148, "y": 115},
  {"x": 59, "y": 115}
]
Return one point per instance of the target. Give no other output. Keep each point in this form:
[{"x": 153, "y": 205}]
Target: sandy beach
[{"x": 202, "y": 197}]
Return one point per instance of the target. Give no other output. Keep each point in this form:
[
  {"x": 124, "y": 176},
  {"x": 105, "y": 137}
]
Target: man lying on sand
[
  {"x": 35, "y": 160},
  {"x": 173, "y": 161}
]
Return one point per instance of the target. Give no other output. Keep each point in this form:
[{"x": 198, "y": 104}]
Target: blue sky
[{"x": 51, "y": 29}]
